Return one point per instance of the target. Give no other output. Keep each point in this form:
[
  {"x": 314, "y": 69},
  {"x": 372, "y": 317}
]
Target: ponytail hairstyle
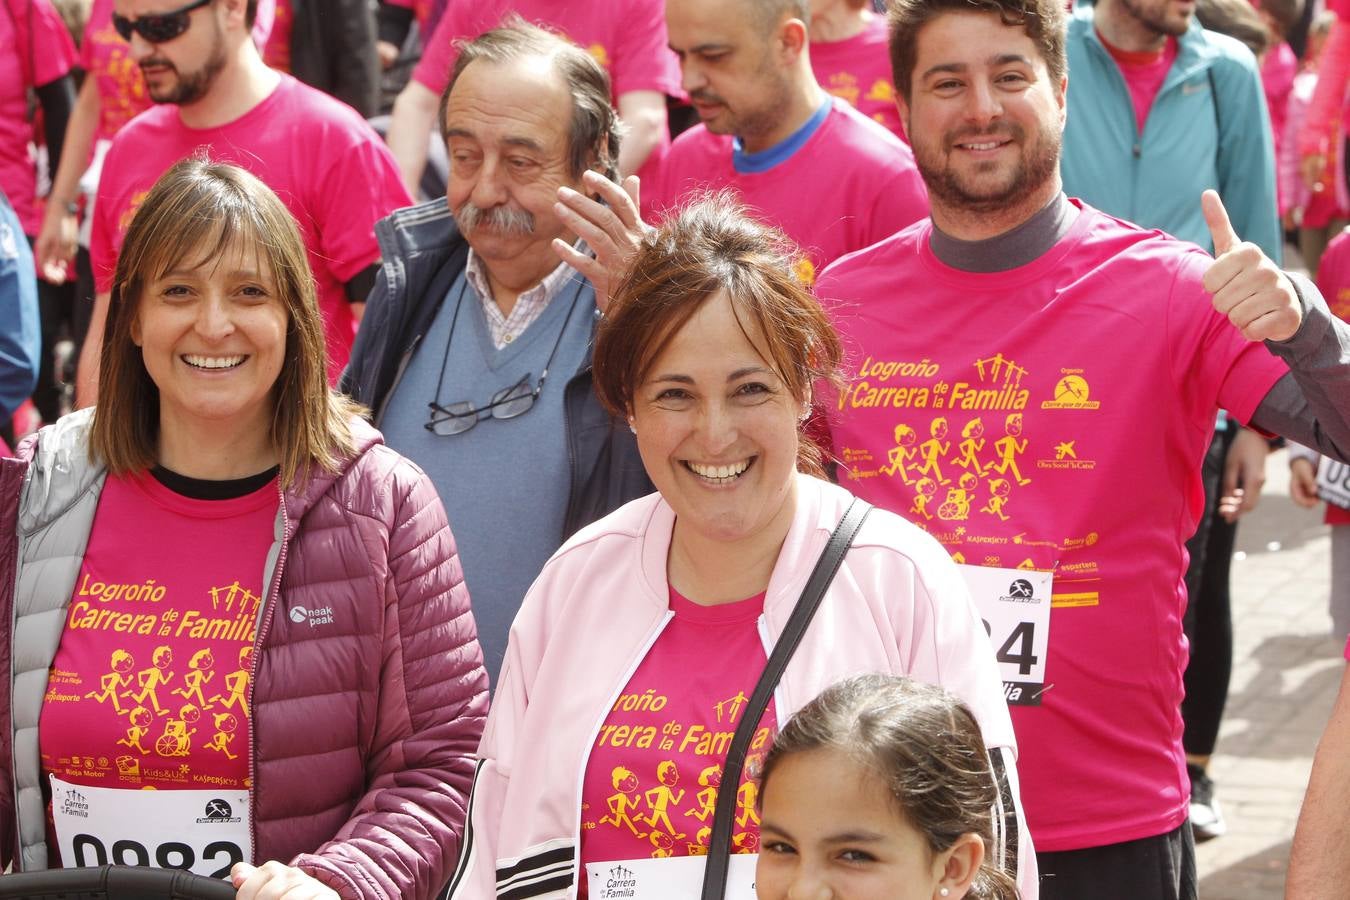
[{"x": 924, "y": 744}]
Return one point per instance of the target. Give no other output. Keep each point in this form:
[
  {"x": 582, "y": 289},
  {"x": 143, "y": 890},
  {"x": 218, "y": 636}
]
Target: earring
[
  {"x": 943, "y": 892},
  {"x": 631, "y": 426}
]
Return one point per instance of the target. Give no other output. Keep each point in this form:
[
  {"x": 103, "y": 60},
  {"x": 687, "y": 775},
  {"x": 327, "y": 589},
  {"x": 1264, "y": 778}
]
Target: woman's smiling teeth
[
  {"x": 719, "y": 474},
  {"x": 213, "y": 362}
]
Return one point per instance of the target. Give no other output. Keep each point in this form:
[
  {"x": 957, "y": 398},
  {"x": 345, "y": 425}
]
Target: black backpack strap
[{"x": 719, "y": 845}]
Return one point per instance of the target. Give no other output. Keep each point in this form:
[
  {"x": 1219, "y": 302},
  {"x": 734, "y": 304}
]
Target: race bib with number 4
[
  {"x": 1015, "y": 607},
  {"x": 675, "y": 878},
  {"x": 203, "y": 832},
  {"x": 1333, "y": 482}
]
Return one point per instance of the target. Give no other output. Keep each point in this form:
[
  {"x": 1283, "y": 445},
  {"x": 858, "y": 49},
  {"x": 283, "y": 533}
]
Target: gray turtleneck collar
[{"x": 1025, "y": 243}]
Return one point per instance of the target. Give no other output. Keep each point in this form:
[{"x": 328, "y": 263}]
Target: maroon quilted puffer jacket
[
  {"x": 369, "y": 694},
  {"x": 366, "y": 728}
]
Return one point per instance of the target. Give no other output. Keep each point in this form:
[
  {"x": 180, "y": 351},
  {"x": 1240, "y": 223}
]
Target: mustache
[
  {"x": 703, "y": 95},
  {"x": 504, "y": 219},
  {"x": 1003, "y": 131},
  {"x": 151, "y": 61}
]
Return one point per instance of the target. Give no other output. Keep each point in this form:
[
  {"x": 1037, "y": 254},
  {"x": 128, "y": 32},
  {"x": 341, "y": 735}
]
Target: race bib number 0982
[
  {"x": 203, "y": 832},
  {"x": 1015, "y": 607}
]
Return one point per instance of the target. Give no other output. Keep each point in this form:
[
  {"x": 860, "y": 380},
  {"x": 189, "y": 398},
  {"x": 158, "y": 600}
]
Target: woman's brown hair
[
  {"x": 713, "y": 245},
  {"x": 923, "y": 744},
  {"x": 197, "y": 212}
]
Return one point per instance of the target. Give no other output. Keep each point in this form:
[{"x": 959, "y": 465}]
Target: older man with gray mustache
[{"x": 475, "y": 349}]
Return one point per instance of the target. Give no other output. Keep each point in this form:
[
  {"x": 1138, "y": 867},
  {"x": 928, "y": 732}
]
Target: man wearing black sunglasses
[
  {"x": 475, "y": 353},
  {"x": 217, "y": 97}
]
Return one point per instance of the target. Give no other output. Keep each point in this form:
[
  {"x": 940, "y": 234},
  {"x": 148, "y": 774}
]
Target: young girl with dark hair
[{"x": 881, "y": 787}]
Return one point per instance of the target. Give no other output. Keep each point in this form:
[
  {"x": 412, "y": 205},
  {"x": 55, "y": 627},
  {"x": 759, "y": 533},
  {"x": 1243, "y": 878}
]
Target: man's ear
[
  {"x": 903, "y": 108},
  {"x": 235, "y": 13},
  {"x": 792, "y": 39}
]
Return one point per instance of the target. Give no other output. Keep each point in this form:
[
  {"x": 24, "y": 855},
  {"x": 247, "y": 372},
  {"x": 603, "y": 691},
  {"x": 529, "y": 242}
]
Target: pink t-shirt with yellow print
[
  {"x": 1054, "y": 417},
  {"x": 654, "y": 774},
  {"x": 149, "y": 684}
]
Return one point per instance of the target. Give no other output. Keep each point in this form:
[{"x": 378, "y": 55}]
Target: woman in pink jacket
[
  {"x": 240, "y": 641},
  {"x": 632, "y": 659}
]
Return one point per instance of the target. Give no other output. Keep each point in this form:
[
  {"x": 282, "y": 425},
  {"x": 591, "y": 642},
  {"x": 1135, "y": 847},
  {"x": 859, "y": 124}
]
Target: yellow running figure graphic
[
  {"x": 901, "y": 454},
  {"x": 924, "y": 492},
  {"x": 973, "y": 444},
  {"x": 710, "y": 779},
  {"x": 201, "y": 673},
  {"x": 622, "y": 804},
  {"x": 121, "y": 663},
  {"x": 225, "y": 724},
  {"x": 745, "y": 801},
  {"x": 1009, "y": 448},
  {"x": 933, "y": 449},
  {"x": 663, "y": 796},
  {"x": 999, "y": 488},
  {"x": 141, "y": 719},
  {"x": 664, "y": 844},
  {"x": 177, "y": 737},
  {"x": 150, "y": 679},
  {"x": 237, "y": 683},
  {"x": 699, "y": 846}
]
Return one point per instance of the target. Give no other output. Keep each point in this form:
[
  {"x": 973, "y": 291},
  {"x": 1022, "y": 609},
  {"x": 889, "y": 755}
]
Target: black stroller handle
[{"x": 113, "y": 883}]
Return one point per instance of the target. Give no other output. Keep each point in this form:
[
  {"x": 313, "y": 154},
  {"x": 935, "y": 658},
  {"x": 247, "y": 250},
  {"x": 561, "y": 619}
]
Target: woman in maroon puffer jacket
[{"x": 240, "y": 633}]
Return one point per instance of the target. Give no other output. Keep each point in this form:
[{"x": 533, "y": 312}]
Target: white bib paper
[
  {"x": 1015, "y": 607},
  {"x": 1333, "y": 482},
  {"x": 204, "y": 832},
  {"x": 677, "y": 878}
]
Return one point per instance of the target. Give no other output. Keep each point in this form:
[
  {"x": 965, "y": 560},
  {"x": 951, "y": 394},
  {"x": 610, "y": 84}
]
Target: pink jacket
[
  {"x": 362, "y": 732},
  {"x": 897, "y": 604}
]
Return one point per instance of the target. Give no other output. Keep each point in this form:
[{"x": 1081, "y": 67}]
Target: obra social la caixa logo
[{"x": 300, "y": 615}]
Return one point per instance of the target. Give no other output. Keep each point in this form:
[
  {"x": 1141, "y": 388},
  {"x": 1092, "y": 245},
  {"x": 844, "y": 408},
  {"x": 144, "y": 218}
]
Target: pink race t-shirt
[
  {"x": 277, "y": 51},
  {"x": 653, "y": 776},
  {"x": 35, "y": 49},
  {"x": 421, "y": 10},
  {"x": 851, "y": 184},
  {"x": 107, "y": 59},
  {"x": 1333, "y": 275},
  {"x": 1144, "y": 74},
  {"x": 1054, "y": 417},
  {"x": 627, "y": 37},
  {"x": 331, "y": 170},
  {"x": 1278, "y": 68},
  {"x": 858, "y": 69},
  {"x": 149, "y": 686},
  {"x": 1333, "y": 280}
]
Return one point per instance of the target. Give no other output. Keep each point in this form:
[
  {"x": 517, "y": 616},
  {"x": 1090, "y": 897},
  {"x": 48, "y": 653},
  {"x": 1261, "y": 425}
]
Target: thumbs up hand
[{"x": 1246, "y": 286}]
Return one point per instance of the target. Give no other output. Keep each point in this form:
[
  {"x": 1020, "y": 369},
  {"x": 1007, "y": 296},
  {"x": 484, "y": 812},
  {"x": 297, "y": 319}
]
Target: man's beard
[
  {"x": 767, "y": 116},
  {"x": 1155, "y": 21},
  {"x": 1037, "y": 165},
  {"x": 504, "y": 220},
  {"x": 193, "y": 86}
]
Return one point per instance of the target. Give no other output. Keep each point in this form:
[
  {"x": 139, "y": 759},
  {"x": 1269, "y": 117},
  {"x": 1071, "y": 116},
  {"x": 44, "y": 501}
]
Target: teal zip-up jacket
[{"x": 1189, "y": 142}]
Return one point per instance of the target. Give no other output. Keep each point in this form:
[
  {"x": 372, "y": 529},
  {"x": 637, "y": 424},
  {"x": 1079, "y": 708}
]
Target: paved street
[{"x": 1286, "y": 671}]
